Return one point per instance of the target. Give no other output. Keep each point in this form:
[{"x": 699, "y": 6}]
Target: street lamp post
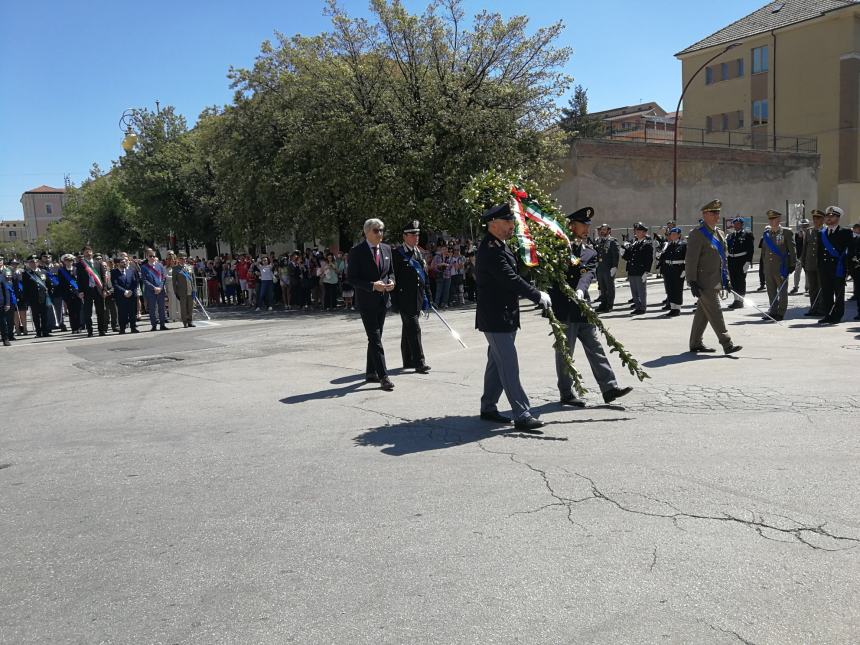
[
  {"x": 125, "y": 122},
  {"x": 678, "y": 120}
]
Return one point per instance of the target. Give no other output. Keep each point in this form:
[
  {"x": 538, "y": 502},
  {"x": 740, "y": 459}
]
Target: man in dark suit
[
  {"x": 125, "y": 284},
  {"x": 371, "y": 273},
  {"x": 35, "y": 284},
  {"x": 411, "y": 296},
  {"x": 91, "y": 279},
  {"x": 500, "y": 288},
  {"x": 833, "y": 263}
]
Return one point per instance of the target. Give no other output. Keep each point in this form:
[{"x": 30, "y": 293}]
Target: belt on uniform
[
  {"x": 675, "y": 262},
  {"x": 737, "y": 255}
]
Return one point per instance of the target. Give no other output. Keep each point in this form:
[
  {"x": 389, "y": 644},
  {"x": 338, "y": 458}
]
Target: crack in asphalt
[
  {"x": 729, "y": 632},
  {"x": 653, "y": 561},
  {"x": 800, "y": 533}
]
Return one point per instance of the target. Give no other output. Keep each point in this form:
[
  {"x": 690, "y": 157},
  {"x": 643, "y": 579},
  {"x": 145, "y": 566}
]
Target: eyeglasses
[{"x": 378, "y": 230}]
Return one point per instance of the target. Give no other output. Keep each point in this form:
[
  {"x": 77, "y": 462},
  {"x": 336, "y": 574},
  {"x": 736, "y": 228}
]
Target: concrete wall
[{"x": 626, "y": 182}]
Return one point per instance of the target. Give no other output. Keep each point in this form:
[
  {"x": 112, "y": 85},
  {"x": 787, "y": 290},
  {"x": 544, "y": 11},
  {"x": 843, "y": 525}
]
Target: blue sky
[{"x": 69, "y": 69}]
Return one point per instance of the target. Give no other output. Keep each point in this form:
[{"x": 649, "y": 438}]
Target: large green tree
[
  {"x": 391, "y": 116},
  {"x": 575, "y": 120}
]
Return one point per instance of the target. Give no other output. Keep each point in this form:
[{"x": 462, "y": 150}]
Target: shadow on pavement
[
  {"x": 684, "y": 357},
  {"x": 438, "y": 433}
]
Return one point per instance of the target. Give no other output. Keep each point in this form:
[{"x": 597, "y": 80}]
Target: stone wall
[{"x": 626, "y": 182}]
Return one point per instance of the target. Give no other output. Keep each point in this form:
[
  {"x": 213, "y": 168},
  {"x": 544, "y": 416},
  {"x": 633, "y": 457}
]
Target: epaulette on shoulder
[{"x": 496, "y": 244}]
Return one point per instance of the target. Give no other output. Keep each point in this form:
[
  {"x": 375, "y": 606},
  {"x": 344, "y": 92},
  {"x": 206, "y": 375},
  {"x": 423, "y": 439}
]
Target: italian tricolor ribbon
[
  {"x": 527, "y": 210},
  {"x": 92, "y": 274}
]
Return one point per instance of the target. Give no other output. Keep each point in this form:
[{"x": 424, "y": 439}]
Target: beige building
[
  {"x": 13, "y": 231},
  {"x": 791, "y": 82},
  {"x": 646, "y": 122},
  {"x": 42, "y": 207}
]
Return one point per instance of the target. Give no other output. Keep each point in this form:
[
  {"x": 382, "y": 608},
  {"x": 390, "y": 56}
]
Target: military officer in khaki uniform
[
  {"x": 779, "y": 256},
  {"x": 708, "y": 275},
  {"x": 809, "y": 260}
]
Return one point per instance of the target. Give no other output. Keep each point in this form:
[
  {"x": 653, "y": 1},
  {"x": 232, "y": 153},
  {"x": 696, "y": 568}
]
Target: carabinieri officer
[
  {"x": 411, "y": 296},
  {"x": 498, "y": 315}
]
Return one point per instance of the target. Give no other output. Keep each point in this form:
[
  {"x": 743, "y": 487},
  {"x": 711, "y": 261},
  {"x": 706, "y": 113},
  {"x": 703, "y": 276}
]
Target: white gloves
[
  {"x": 683, "y": 274},
  {"x": 747, "y": 266},
  {"x": 580, "y": 294},
  {"x": 545, "y": 300},
  {"x": 612, "y": 272}
]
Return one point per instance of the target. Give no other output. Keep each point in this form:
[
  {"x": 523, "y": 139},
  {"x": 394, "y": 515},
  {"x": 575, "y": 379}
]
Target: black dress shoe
[
  {"x": 572, "y": 401},
  {"x": 731, "y": 349},
  {"x": 673, "y": 313},
  {"x": 528, "y": 424},
  {"x": 121, "y": 332},
  {"x": 637, "y": 312},
  {"x": 135, "y": 330},
  {"x": 102, "y": 333},
  {"x": 826, "y": 321},
  {"x": 191, "y": 325},
  {"x": 164, "y": 328},
  {"x": 154, "y": 328},
  {"x": 616, "y": 393},
  {"x": 386, "y": 384},
  {"x": 495, "y": 417},
  {"x": 735, "y": 305},
  {"x": 422, "y": 369},
  {"x": 702, "y": 350},
  {"x": 665, "y": 308}
]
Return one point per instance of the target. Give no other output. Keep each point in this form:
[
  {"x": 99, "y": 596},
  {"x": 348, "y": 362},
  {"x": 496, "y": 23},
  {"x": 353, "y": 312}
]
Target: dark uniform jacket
[
  {"x": 500, "y": 287},
  {"x": 410, "y": 288},
  {"x": 35, "y": 288},
  {"x": 841, "y": 239},
  {"x": 68, "y": 287},
  {"x": 5, "y": 293},
  {"x": 607, "y": 253},
  {"x": 672, "y": 259},
  {"x": 639, "y": 257},
  {"x": 362, "y": 272},
  {"x": 740, "y": 247},
  {"x": 579, "y": 276}
]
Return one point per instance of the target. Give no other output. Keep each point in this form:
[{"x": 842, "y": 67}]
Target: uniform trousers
[
  {"x": 155, "y": 305},
  {"x": 777, "y": 291},
  {"x": 410, "y": 341},
  {"x": 797, "y": 271},
  {"x": 674, "y": 286},
  {"x": 813, "y": 286},
  {"x": 503, "y": 375},
  {"x": 57, "y": 303},
  {"x": 738, "y": 277},
  {"x": 639, "y": 291},
  {"x": 594, "y": 352},
  {"x": 373, "y": 319},
  {"x": 39, "y": 311},
  {"x": 112, "y": 312},
  {"x": 186, "y": 307},
  {"x": 7, "y": 322},
  {"x": 708, "y": 312},
  {"x": 74, "y": 304},
  {"x": 127, "y": 310},
  {"x": 832, "y": 295},
  {"x": 606, "y": 284}
]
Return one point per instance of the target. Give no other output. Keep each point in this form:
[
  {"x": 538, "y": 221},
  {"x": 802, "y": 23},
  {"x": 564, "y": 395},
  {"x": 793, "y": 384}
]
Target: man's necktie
[{"x": 376, "y": 256}]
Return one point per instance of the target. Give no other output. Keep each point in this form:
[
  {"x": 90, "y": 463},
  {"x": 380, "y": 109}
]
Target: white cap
[{"x": 834, "y": 210}]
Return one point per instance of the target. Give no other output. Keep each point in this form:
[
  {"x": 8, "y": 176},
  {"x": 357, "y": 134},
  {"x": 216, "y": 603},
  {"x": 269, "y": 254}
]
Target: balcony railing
[{"x": 744, "y": 139}]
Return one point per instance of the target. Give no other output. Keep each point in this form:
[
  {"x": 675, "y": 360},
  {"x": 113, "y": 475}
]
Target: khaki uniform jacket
[
  {"x": 784, "y": 240},
  {"x": 703, "y": 262},
  {"x": 181, "y": 285},
  {"x": 809, "y": 253}
]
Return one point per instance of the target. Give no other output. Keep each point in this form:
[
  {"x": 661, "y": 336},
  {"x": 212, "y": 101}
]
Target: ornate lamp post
[
  {"x": 678, "y": 120},
  {"x": 125, "y": 121}
]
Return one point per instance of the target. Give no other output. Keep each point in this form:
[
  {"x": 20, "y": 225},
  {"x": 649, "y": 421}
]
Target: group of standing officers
[{"x": 80, "y": 284}]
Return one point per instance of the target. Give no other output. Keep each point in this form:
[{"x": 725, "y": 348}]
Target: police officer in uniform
[
  {"x": 68, "y": 291},
  {"x": 855, "y": 266},
  {"x": 35, "y": 284},
  {"x": 708, "y": 274},
  {"x": 411, "y": 296},
  {"x": 639, "y": 256},
  {"x": 607, "y": 266},
  {"x": 580, "y": 275},
  {"x": 808, "y": 257},
  {"x": 833, "y": 264},
  {"x": 672, "y": 266},
  {"x": 498, "y": 315},
  {"x": 5, "y": 307},
  {"x": 741, "y": 249},
  {"x": 780, "y": 257}
]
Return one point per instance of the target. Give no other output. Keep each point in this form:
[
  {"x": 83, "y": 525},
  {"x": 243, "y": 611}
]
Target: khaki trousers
[
  {"x": 708, "y": 312},
  {"x": 186, "y": 307},
  {"x": 774, "y": 281},
  {"x": 813, "y": 285}
]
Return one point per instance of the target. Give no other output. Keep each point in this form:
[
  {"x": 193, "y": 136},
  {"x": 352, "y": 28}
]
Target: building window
[
  {"x": 759, "y": 112},
  {"x": 740, "y": 67},
  {"x": 13, "y": 235},
  {"x": 709, "y": 75},
  {"x": 759, "y": 60},
  {"x": 724, "y": 71},
  {"x": 740, "y": 119},
  {"x": 49, "y": 209},
  {"x": 725, "y": 122},
  {"x": 709, "y": 124}
]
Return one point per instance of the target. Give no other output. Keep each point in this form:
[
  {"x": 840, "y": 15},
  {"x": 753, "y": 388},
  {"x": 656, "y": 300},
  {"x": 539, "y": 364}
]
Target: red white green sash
[{"x": 92, "y": 275}]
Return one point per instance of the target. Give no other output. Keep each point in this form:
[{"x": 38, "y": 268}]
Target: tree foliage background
[{"x": 387, "y": 117}]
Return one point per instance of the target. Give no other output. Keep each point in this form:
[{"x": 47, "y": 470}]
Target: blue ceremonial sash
[
  {"x": 721, "y": 249},
  {"x": 71, "y": 280},
  {"x": 422, "y": 277},
  {"x": 13, "y": 300},
  {"x": 840, "y": 257},
  {"x": 53, "y": 278},
  {"x": 783, "y": 257},
  {"x": 38, "y": 280}
]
